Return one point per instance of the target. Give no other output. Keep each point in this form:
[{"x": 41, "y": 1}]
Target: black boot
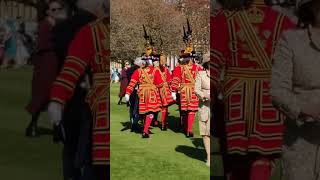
[
  {"x": 164, "y": 128},
  {"x": 32, "y": 129},
  {"x": 120, "y": 101},
  {"x": 145, "y": 135},
  {"x": 189, "y": 134}
]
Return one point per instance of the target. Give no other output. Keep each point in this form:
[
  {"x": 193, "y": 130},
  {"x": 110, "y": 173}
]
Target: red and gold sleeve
[
  {"x": 79, "y": 55},
  {"x": 168, "y": 75},
  {"x": 176, "y": 79},
  {"x": 158, "y": 81},
  {"x": 288, "y": 24},
  {"x": 133, "y": 82},
  {"x": 218, "y": 47}
]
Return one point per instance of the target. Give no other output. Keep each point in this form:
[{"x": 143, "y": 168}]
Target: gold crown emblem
[
  {"x": 256, "y": 15},
  {"x": 189, "y": 48}
]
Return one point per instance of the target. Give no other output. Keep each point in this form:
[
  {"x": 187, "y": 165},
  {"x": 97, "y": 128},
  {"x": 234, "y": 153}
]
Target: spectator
[
  {"x": 22, "y": 54},
  {"x": 45, "y": 65},
  {"x": 10, "y": 44},
  {"x": 202, "y": 90},
  {"x": 124, "y": 81}
]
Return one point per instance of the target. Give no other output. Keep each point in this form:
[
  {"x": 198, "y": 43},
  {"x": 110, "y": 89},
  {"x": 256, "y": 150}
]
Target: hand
[
  {"x": 127, "y": 97},
  {"x": 85, "y": 84},
  {"x": 55, "y": 113},
  {"x": 174, "y": 96},
  {"x": 207, "y": 96}
]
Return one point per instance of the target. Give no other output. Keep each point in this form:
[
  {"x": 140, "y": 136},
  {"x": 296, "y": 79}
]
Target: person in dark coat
[
  {"x": 45, "y": 65},
  {"x": 123, "y": 81},
  {"x": 134, "y": 99},
  {"x": 76, "y": 153}
]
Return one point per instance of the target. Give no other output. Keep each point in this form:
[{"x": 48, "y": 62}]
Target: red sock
[
  {"x": 164, "y": 116},
  {"x": 147, "y": 123},
  {"x": 260, "y": 169},
  {"x": 191, "y": 116}
]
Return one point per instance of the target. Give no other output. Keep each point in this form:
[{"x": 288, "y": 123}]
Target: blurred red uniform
[
  {"x": 165, "y": 93},
  {"x": 183, "y": 82},
  {"x": 90, "y": 49},
  {"x": 242, "y": 46},
  {"x": 147, "y": 79}
]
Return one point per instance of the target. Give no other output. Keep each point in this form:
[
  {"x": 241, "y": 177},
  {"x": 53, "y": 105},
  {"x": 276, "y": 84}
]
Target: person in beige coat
[
  {"x": 202, "y": 90},
  {"x": 295, "y": 90}
]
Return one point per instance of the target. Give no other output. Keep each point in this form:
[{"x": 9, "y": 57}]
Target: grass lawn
[
  {"x": 21, "y": 157},
  {"x": 166, "y": 155}
]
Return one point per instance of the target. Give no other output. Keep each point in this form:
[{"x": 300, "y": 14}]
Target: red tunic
[
  {"x": 183, "y": 81},
  {"x": 164, "y": 89},
  {"x": 90, "y": 49},
  {"x": 242, "y": 46},
  {"x": 148, "y": 80}
]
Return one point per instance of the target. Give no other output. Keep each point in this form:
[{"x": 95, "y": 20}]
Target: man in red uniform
[
  {"x": 183, "y": 81},
  {"x": 164, "y": 89},
  {"x": 89, "y": 49},
  {"x": 243, "y": 38},
  {"x": 147, "y": 79}
]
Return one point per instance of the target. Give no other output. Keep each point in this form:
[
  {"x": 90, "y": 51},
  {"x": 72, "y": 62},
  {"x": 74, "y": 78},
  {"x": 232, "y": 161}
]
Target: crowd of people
[
  {"x": 71, "y": 84},
  {"x": 150, "y": 88},
  {"x": 264, "y": 62}
]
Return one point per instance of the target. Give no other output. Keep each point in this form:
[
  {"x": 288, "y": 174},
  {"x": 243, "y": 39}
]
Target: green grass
[
  {"x": 21, "y": 157},
  {"x": 166, "y": 155}
]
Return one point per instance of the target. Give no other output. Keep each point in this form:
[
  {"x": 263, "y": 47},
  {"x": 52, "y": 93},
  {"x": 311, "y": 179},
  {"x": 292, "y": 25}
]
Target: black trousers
[
  {"x": 134, "y": 108},
  {"x": 76, "y": 153},
  {"x": 101, "y": 172}
]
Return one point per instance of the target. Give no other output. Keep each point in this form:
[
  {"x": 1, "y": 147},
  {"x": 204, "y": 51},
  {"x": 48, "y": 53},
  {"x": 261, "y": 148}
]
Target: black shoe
[
  {"x": 32, "y": 130},
  {"x": 164, "y": 128},
  {"x": 189, "y": 134},
  {"x": 145, "y": 135}
]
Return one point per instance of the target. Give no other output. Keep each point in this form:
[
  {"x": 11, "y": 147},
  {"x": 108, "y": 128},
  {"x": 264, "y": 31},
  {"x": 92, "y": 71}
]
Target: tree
[{"x": 163, "y": 20}]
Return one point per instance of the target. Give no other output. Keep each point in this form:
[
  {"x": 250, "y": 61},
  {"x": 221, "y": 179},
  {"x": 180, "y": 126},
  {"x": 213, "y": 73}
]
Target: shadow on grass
[
  {"x": 198, "y": 142},
  {"x": 126, "y": 126},
  {"x": 45, "y": 131},
  {"x": 192, "y": 152},
  {"x": 196, "y": 152},
  {"x": 174, "y": 124},
  {"x": 138, "y": 129}
]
